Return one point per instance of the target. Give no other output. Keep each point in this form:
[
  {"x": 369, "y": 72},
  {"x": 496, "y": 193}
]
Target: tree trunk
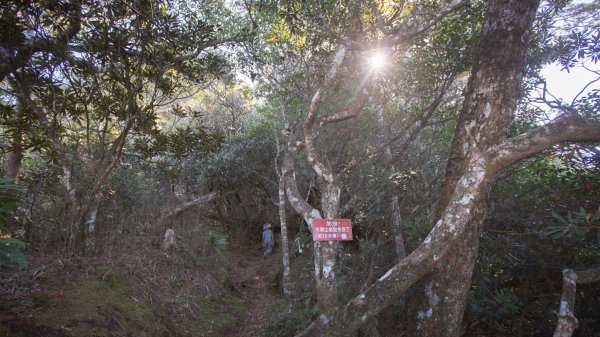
[
  {"x": 566, "y": 317},
  {"x": 394, "y": 201},
  {"x": 14, "y": 160},
  {"x": 13, "y": 170},
  {"x": 81, "y": 215},
  {"x": 325, "y": 263},
  {"x": 90, "y": 227},
  {"x": 285, "y": 250},
  {"x": 567, "y": 322},
  {"x": 15, "y": 157},
  {"x": 438, "y": 304}
]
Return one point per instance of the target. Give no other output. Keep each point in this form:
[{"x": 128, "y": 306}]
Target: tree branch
[
  {"x": 346, "y": 114},
  {"x": 399, "y": 278},
  {"x": 23, "y": 53},
  {"x": 291, "y": 186},
  {"x": 567, "y": 127},
  {"x": 309, "y": 135},
  {"x": 195, "y": 53},
  {"x": 185, "y": 206},
  {"x": 400, "y": 33}
]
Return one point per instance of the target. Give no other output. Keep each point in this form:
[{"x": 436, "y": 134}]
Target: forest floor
[
  {"x": 257, "y": 277},
  {"x": 148, "y": 294}
]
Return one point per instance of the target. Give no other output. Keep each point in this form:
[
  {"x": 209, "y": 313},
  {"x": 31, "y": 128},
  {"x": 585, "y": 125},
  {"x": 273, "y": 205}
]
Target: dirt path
[{"x": 255, "y": 276}]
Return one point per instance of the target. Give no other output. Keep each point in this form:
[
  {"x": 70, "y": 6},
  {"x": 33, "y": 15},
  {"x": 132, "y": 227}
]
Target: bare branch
[
  {"x": 185, "y": 206},
  {"x": 425, "y": 117},
  {"x": 349, "y": 113},
  {"x": 583, "y": 90},
  {"x": 200, "y": 49},
  {"x": 379, "y": 18},
  {"x": 401, "y": 34},
  {"x": 567, "y": 322}
]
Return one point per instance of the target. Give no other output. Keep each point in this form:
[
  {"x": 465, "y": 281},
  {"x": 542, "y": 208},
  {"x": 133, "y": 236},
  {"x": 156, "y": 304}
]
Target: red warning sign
[{"x": 332, "y": 230}]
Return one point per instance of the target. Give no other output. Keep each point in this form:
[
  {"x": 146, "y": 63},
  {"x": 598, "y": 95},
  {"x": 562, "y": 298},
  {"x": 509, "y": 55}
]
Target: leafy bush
[{"x": 575, "y": 226}]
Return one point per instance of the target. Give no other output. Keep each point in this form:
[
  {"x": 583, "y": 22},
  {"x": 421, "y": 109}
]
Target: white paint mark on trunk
[
  {"x": 386, "y": 275},
  {"x": 91, "y": 222},
  {"x": 169, "y": 239},
  {"x": 315, "y": 214},
  {"x": 488, "y": 110}
]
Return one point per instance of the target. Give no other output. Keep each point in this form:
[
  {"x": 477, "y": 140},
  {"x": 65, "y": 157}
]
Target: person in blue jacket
[{"x": 267, "y": 239}]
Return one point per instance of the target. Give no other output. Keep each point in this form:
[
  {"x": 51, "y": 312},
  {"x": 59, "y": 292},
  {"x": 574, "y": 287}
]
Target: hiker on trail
[{"x": 267, "y": 239}]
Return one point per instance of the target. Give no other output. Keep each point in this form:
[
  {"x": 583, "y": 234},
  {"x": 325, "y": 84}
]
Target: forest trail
[{"x": 256, "y": 275}]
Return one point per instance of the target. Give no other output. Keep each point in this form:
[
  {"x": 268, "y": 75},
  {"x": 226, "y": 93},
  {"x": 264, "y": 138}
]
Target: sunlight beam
[{"x": 377, "y": 60}]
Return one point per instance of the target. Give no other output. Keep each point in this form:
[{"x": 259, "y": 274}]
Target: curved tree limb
[
  {"x": 564, "y": 128},
  {"x": 185, "y": 206},
  {"x": 291, "y": 186},
  {"x": 470, "y": 188}
]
